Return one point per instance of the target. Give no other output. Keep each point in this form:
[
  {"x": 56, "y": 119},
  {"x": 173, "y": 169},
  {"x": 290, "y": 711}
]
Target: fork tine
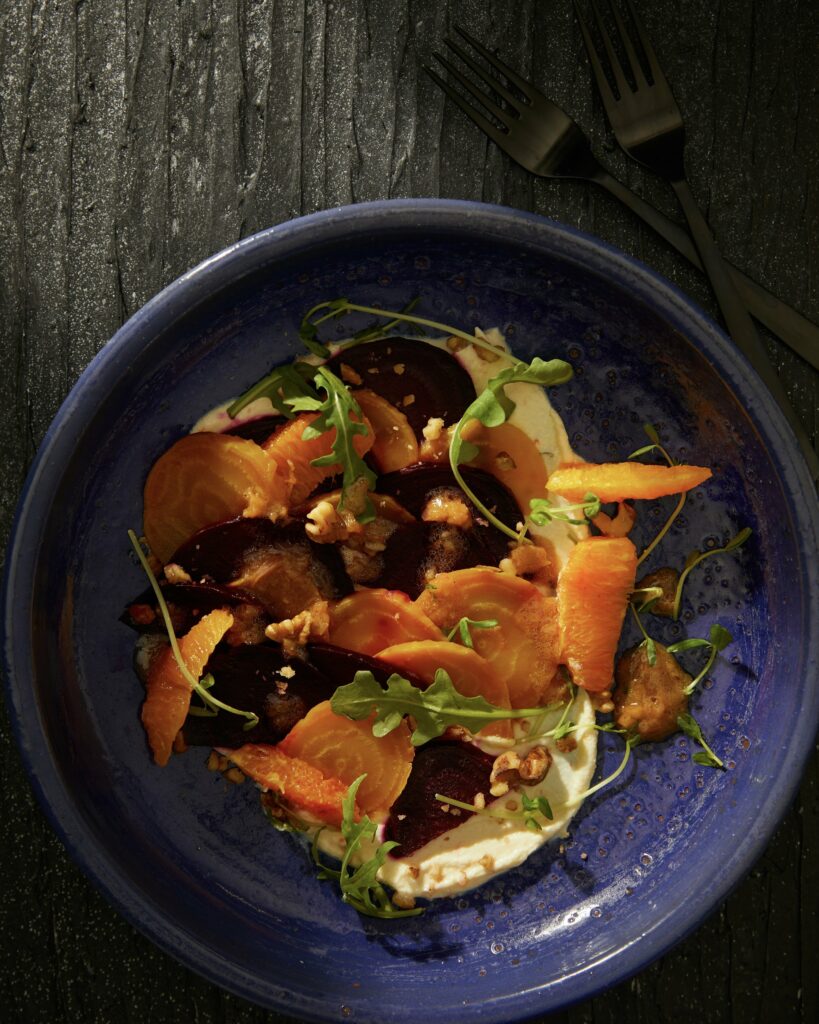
[
  {"x": 485, "y": 125},
  {"x": 493, "y": 83},
  {"x": 502, "y": 115},
  {"x": 648, "y": 49},
  {"x": 496, "y": 62},
  {"x": 606, "y": 91},
  {"x": 628, "y": 46},
  {"x": 614, "y": 61}
]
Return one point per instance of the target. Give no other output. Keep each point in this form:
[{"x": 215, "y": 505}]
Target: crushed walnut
[
  {"x": 292, "y": 634},
  {"x": 510, "y": 769},
  {"x": 349, "y": 375},
  {"x": 176, "y": 574},
  {"x": 435, "y": 444},
  {"x": 403, "y": 900},
  {"x": 446, "y": 507},
  {"x": 529, "y": 561},
  {"x": 327, "y": 525}
]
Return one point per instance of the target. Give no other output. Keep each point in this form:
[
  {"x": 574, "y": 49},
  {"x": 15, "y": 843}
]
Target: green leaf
[
  {"x": 651, "y": 651},
  {"x": 433, "y": 709},
  {"x": 643, "y": 451},
  {"x": 284, "y": 387},
  {"x": 543, "y": 511},
  {"x": 651, "y": 433},
  {"x": 689, "y": 725},
  {"x": 720, "y": 637},
  {"x": 340, "y": 412},
  {"x": 493, "y": 407},
  {"x": 359, "y": 885},
  {"x": 688, "y": 645}
]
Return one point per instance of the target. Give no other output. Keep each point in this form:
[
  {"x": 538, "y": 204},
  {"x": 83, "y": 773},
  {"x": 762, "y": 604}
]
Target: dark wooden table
[{"x": 138, "y": 138}]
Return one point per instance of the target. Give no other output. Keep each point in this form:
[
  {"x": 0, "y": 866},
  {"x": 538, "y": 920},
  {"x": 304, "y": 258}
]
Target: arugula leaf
[
  {"x": 360, "y": 886},
  {"x": 544, "y": 511},
  {"x": 200, "y": 686},
  {"x": 718, "y": 640},
  {"x": 493, "y": 407},
  {"x": 433, "y": 709},
  {"x": 282, "y": 386},
  {"x": 463, "y": 626},
  {"x": 689, "y": 725}
]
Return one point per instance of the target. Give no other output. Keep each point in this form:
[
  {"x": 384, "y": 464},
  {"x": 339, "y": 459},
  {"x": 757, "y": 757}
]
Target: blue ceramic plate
[{"x": 189, "y": 859}]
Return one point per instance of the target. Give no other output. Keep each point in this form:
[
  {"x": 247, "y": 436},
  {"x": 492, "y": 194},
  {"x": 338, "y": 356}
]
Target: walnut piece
[
  {"x": 292, "y": 634},
  {"x": 446, "y": 507}
]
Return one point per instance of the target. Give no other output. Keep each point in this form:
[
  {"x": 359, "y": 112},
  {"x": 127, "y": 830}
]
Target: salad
[{"x": 384, "y": 588}]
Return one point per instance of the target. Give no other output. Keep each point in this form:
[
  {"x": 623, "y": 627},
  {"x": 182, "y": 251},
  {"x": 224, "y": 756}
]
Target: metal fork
[
  {"x": 545, "y": 140},
  {"x": 648, "y": 125}
]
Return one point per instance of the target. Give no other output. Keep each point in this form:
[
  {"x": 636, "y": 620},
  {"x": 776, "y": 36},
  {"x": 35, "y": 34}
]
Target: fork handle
[
  {"x": 740, "y": 326},
  {"x": 796, "y": 330}
]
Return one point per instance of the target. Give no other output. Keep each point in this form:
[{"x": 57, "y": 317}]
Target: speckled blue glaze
[{"x": 188, "y": 858}]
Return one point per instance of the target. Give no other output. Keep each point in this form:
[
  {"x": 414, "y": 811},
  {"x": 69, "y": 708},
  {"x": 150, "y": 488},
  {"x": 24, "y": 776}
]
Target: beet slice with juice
[
  {"x": 420, "y": 379},
  {"x": 452, "y": 768},
  {"x": 276, "y": 563}
]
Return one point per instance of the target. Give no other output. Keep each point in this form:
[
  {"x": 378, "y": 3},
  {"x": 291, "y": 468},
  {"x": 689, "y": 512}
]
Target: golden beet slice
[
  {"x": 523, "y": 647},
  {"x": 293, "y": 455},
  {"x": 510, "y": 455},
  {"x": 471, "y": 675},
  {"x": 168, "y": 695},
  {"x": 617, "y": 481},
  {"x": 205, "y": 479},
  {"x": 302, "y": 786},
  {"x": 395, "y": 444},
  {"x": 592, "y": 596},
  {"x": 345, "y": 749},
  {"x": 370, "y": 620}
]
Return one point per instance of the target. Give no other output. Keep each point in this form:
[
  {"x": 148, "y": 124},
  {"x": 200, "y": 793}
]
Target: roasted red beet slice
[
  {"x": 455, "y": 769},
  {"x": 187, "y": 603},
  {"x": 415, "y": 552},
  {"x": 258, "y": 429},
  {"x": 279, "y": 689},
  {"x": 229, "y": 551},
  {"x": 437, "y": 382}
]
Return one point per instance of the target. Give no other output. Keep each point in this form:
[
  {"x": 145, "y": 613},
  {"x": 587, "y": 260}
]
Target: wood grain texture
[{"x": 138, "y": 138}]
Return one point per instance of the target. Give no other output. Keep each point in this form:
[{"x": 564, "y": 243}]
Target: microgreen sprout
[
  {"x": 655, "y": 445},
  {"x": 649, "y": 642},
  {"x": 717, "y": 641},
  {"x": 359, "y": 885},
  {"x": 707, "y": 758},
  {"x": 543, "y": 511},
  {"x": 334, "y": 308},
  {"x": 463, "y": 626},
  {"x": 696, "y": 557},
  {"x": 212, "y": 705},
  {"x": 493, "y": 407}
]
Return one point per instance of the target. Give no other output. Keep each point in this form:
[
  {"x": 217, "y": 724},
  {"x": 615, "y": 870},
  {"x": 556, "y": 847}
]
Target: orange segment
[
  {"x": 345, "y": 750},
  {"x": 523, "y": 647},
  {"x": 168, "y": 694},
  {"x": 395, "y": 444},
  {"x": 509, "y": 454},
  {"x": 370, "y": 620},
  {"x": 471, "y": 675},
  {"x": 293, "y": 455},
  {"x": 616, "y": 481},
  {"x": 303, "y": 786},
  {"x": 205, "y": 479},
  {"x": 592, "y": 596}
]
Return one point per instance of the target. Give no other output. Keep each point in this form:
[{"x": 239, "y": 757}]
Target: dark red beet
[
  {"x": 412, "y": 487},
  {"x": 249, "y": 678},
  {"x": 415, "y": 552},
  {"x": 218, "y": 552},
  {"x": 441, "y": 386},
  {"x": 187, "y": 603},
  {"x": 454, "y": 769},
  {"x": 258, "y": 429}
]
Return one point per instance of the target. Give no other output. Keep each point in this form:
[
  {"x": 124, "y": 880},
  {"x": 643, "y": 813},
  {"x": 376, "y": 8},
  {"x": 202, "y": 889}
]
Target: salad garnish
[
  {"x": 462, "y": 628},
  {"x": 696, "y": 557},
  {"x": 707, "y": 758},
  {"x": 202, "y": 687},
  {"x": 717, "y": 641},
  {"x": 359, "y": 885},
  {"x": 543, "y": 511}
]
